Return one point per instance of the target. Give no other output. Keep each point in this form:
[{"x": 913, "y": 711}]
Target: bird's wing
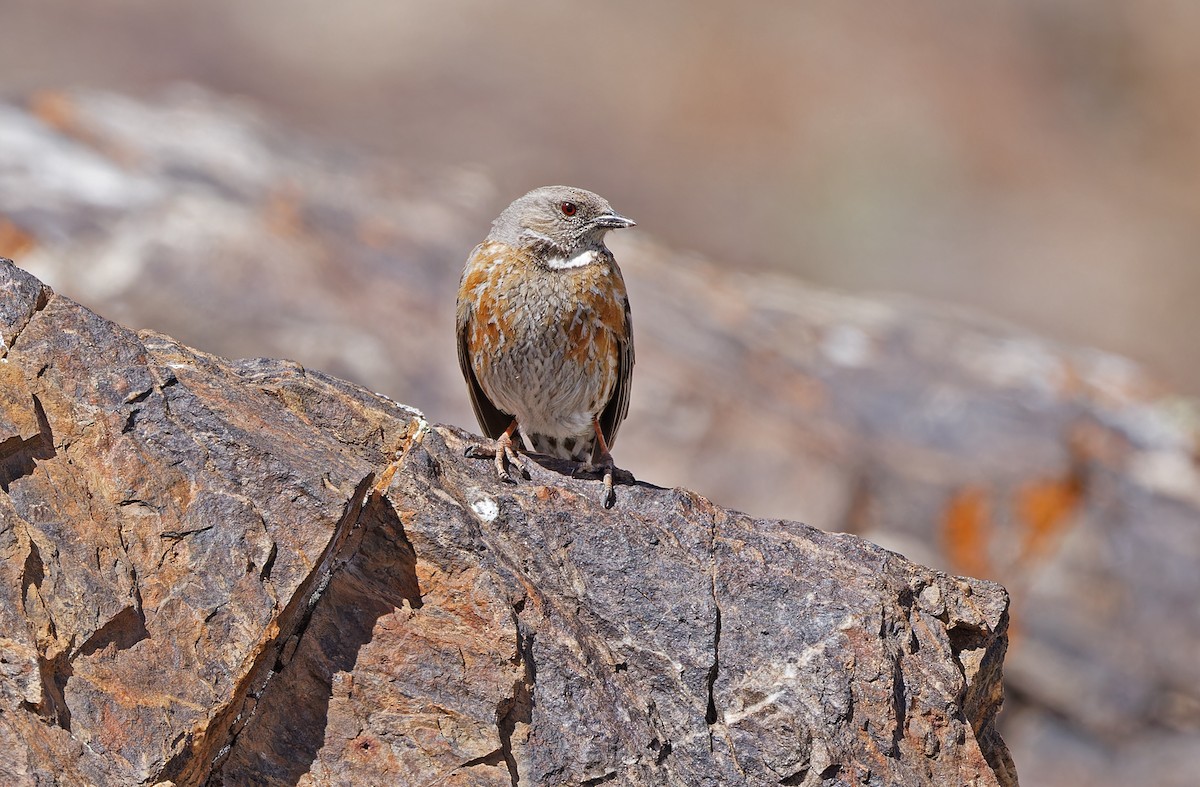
[
  {"x": 492, "y": 420},
  {"x": 618, "y": 404}
]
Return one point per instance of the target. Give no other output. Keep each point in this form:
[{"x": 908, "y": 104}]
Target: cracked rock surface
[{"x": 245, "y": 572}]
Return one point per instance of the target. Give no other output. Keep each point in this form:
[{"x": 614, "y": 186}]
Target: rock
[
  {"x": 967, "y": 444},
  {"x": 234, "y": 572}
]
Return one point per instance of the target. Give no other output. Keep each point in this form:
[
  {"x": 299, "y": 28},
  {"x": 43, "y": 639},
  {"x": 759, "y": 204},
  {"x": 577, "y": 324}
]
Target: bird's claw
[
  {"x": 503, "y": 455},
  {"x": 608, "y": 497},
  {"x": 505, "y": 458},
  {"x": 610, "y": 474}
]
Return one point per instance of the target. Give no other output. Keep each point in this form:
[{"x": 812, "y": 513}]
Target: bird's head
[{"x": 559, "y": 219}]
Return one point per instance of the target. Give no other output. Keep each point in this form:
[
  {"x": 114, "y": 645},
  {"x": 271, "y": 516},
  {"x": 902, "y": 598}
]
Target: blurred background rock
[{"x": 1038, "y": 161}]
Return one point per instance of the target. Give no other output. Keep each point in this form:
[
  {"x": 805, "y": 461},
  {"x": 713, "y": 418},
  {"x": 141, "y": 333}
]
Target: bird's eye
[{"x": 568, "y": 208}]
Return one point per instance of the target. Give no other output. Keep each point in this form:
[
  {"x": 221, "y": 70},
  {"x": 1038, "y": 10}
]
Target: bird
[{"x": 545, "y": 337}]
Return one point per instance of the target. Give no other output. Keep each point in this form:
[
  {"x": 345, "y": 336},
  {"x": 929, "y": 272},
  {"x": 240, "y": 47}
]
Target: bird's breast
[
  {"x": 544, "y": 341},
  {"x": 571, "y": 307}
]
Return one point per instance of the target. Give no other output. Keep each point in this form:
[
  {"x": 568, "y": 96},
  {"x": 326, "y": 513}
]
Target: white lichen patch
[{"x": 486, "y": 509}]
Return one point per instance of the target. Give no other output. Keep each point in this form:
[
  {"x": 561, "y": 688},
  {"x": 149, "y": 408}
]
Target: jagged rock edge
[
  {"x": 994, "y": 643},
  {"x": 196, "y": 762},
  {"x": 506, "y": 709},
  {"x": 521, "y": 700},
  {"x": 712, "y": 714},
  {"x": 44, "y": 296}
]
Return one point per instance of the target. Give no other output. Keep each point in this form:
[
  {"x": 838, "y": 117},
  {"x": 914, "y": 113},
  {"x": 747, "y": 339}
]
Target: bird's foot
[
  {"x": 503, "y": 455},
  {"x": 609, "y": 474}
]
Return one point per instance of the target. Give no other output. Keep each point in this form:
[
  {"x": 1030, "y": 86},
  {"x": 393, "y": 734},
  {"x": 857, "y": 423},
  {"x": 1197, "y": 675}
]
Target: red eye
[{"x": 568, "y": 208}]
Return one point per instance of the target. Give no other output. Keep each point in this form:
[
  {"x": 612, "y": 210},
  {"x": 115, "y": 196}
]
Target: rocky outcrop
[
  {"x": 246, "y": 572},
  {"x": 967, "y": 444}
]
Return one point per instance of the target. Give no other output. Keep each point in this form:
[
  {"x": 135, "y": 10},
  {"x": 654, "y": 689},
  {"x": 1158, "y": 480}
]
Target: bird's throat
[{"x": 576, "y": 259}]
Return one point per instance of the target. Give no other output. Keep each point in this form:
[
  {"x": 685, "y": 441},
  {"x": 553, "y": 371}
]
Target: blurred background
[
  {"x": 1039, "y": 158},
  {"x": 829, "y": 197}
]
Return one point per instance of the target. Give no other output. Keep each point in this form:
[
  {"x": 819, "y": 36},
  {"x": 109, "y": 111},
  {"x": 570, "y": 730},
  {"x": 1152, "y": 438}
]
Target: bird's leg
[
  {"x": 506, "y": 454},
  {"x": 609, "y": 497},
  {"x": 503, "y": 454}
]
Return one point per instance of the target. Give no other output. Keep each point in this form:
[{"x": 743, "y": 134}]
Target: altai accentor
[{"x": 544, "y": 335}]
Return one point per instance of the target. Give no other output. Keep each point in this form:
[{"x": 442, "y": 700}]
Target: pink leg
[
  {"x": 609, "y": 498},
  {"x": 502, "y": 454}
]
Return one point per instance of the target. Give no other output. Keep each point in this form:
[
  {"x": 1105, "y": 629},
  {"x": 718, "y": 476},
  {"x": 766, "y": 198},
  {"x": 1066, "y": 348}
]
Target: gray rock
[
  {"x": 245, "y": 572},
  {"x": 967, "y": 444}
]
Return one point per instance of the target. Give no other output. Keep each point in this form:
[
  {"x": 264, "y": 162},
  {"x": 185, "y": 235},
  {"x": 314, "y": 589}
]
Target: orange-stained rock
[
  {"x": 196, "y": 215},
  {"x": 204, "y": 583}
]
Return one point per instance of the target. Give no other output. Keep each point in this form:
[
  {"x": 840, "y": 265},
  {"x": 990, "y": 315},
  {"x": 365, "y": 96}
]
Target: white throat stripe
[{"x": 585, "y": 257}]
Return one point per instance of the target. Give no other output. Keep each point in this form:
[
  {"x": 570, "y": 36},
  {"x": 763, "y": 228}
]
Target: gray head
[{"x": 557, "y": 218}]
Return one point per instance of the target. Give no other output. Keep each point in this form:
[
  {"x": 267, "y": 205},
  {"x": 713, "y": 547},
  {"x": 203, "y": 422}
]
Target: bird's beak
[{"x": 613, "y": 221}]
